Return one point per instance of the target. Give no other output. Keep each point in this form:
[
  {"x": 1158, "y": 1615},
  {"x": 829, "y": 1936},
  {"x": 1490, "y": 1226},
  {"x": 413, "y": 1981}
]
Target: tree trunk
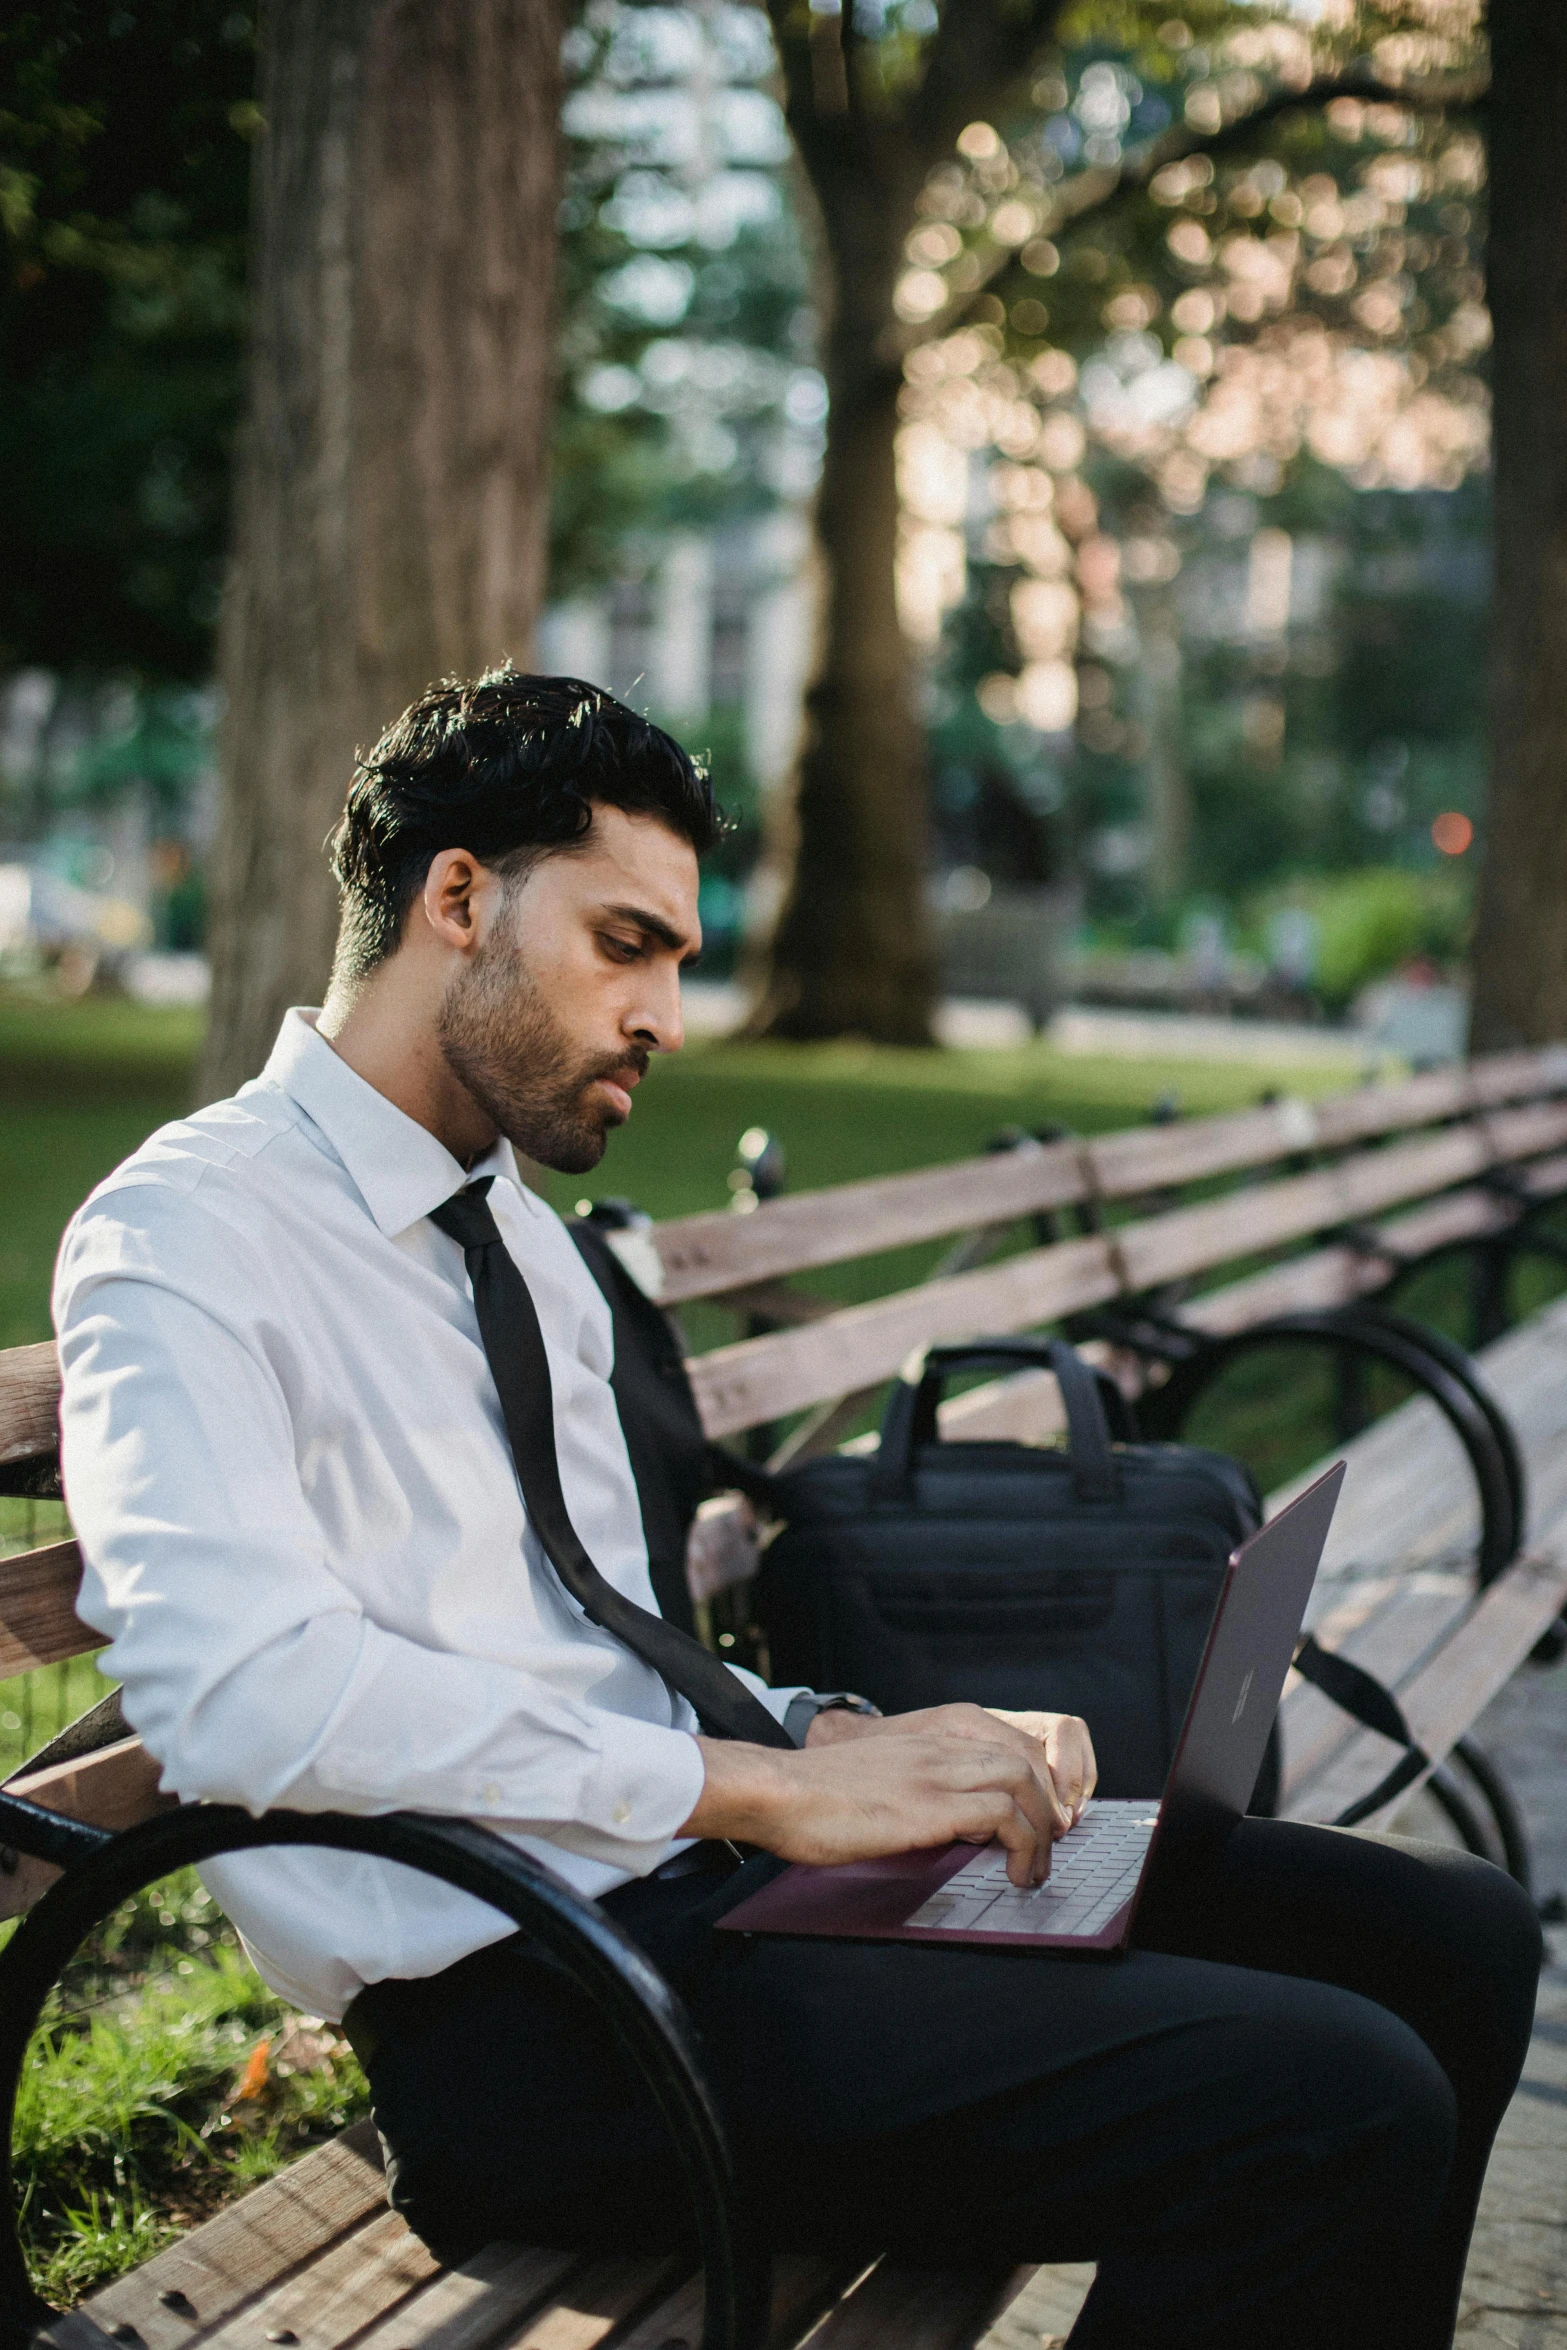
[
  {"x": 852, "y": 952},
  {"x": 390, "y": 513},
  {"x": 1521, "y": 943}
]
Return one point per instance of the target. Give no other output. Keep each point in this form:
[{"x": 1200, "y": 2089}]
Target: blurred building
[{"x": 721, "y": 622}]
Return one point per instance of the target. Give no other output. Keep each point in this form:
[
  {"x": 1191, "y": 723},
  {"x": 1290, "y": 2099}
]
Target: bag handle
[{"x": 1091, "y": 1400}]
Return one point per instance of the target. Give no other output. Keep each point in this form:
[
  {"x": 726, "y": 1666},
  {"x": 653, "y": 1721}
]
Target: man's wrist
[
  {"x": 811, "y": 1706},
  {"x": 744, "y": 1791}
]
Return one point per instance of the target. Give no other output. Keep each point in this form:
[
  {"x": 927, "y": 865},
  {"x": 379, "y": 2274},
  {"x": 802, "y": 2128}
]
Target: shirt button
[
  {"x": 620, "y": 1814},
  {"x": 491, "y": 1793}
]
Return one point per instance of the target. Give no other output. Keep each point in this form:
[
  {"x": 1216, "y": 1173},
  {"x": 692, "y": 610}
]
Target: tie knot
[{"x": 467, "y": 1216}]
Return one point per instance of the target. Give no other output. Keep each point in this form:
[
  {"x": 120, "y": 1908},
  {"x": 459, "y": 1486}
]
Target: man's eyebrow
[{"x": 656, "y": 927}]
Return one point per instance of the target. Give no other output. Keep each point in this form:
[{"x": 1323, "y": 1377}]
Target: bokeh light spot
[{"x": 1452, "y": 833}]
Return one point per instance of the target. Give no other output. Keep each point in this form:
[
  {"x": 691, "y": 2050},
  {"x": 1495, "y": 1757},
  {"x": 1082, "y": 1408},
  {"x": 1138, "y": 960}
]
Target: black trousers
[{"x": 1268, "y": 2124}]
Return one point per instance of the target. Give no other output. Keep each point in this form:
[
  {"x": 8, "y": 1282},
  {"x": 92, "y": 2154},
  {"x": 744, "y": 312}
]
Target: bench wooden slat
[
  {"x": 705, "y": 1255},
  {"x": 1524, "y": 1132},
  {"x": 1149, "y": 1158},
  {"x": 1409, "y": 1508},
  {"x": 1401, "y": 1624},
  {"x": 804, "y": 2285},
  {"x": 114, "y": 1788},
  {"x": 29, "y": 1401},
  {"x": 374, "y": 2269},
  {"x": 1368, "y": 1112},
  {"x": 1026, "y": 1406},
  {"x": 38, "y": 1620},
  {"x": 762, "y": 1378},
  {"x": 223, "y": 2265},
  {"x": 486, "y": 2300},
  {"x": 599, "y": 2295},
  {"x": 1498, "y": 1077},
  {"x": 1446, "y": 1695},
  {"x": 921, "y": 2308},
  {"x": 1336, "y": 1276},
  {"x": 1191, "y": 1240}
]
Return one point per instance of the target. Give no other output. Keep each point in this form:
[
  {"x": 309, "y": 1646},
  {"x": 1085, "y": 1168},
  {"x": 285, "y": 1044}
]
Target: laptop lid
[{"x": 1235, "y": 1697}]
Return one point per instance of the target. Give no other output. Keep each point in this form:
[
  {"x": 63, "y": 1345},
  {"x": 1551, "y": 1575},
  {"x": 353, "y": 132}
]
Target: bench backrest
[
  {"x": 1503, "y": 1112},
  {"x": 710, "y": 1255}
]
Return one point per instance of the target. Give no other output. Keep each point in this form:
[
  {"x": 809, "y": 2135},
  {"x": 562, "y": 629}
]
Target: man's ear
[{"x": 449, "y": 901}]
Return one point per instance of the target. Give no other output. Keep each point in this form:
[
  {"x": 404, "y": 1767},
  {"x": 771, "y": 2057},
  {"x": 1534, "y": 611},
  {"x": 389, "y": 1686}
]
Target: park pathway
[{"x": 1515, "y": 2291}]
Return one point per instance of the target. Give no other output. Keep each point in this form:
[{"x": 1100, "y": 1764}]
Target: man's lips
[{"x": 618, "y": 1089}]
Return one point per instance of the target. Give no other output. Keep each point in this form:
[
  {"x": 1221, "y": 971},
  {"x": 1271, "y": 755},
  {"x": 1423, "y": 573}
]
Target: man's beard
[{"x": 501, "y": 1039}]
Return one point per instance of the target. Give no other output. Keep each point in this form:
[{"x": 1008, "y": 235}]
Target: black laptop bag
[{"x": 1075, "y": 1580}]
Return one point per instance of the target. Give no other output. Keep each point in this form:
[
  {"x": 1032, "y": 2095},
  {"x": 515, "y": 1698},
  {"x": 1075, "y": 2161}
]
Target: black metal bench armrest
[
  {"x": 1425, "y": 1356},
  {"x": 103, "y": 1869}
]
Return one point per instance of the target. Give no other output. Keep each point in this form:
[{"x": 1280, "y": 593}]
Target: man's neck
[{"x": 393, "y": 1045}]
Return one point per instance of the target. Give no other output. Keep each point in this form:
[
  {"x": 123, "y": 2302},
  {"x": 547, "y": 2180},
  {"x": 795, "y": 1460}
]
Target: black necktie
[{"x": 514, "y": 1345}]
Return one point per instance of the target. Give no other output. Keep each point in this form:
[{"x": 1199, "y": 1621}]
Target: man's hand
[
  {"x": 899, "y": 1785},
  {"x": 1068, "y": 1749}
]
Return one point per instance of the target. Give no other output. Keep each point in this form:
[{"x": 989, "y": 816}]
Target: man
[{"x": 295, "y": 1411}]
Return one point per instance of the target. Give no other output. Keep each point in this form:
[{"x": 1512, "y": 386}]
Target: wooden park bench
[{"x": 1316, "y": 1212}]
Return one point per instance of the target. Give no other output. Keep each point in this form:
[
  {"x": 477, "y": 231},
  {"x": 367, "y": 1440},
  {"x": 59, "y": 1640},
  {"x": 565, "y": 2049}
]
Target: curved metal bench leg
[
  {"x": 1454, "y": 1387},
  {"x": 1490, "y": 1262},
  {"x": 1466, "y": 1371},
  {"x": 1445, "y": 1791},
  {"x": 102, "y": 1870},
  {"x": 1502, "y": 1805}
]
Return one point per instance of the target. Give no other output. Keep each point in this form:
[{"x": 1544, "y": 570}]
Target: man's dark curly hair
[{"x": 509, "y": 767}]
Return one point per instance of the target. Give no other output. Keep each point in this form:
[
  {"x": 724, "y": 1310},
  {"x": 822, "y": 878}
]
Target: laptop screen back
[{"x": 1243, "y": 1670}]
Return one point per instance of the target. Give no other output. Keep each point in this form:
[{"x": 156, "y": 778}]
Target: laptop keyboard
[{"x": 1093, "y": 1870}]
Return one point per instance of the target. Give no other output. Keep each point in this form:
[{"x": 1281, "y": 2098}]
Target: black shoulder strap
[
  {"x": 1363, "y": 1697},
  {"x": 674, "y": 1462}
]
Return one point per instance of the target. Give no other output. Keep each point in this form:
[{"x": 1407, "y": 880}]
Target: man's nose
[{"x": 657, "y": 1021}]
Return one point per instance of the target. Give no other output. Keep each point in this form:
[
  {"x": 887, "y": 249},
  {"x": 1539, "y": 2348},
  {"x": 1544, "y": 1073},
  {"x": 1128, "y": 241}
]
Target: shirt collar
[{"x": 401, "y": 1170}]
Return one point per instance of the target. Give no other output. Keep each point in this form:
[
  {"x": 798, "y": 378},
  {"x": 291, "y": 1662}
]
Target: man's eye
[{"x": 620, "y": 950}]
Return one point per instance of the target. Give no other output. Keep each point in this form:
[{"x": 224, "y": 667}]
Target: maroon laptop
[{"x": 1099, "y": 1871}]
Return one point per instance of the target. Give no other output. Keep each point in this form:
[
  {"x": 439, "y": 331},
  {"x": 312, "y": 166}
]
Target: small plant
[{"x": 165, "y": 2079}]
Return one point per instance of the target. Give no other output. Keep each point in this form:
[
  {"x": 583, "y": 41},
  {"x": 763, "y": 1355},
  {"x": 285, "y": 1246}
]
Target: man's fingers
[
  {"x": 1070, "y": 1754},
  {"x": 1026, "y": 1843},
  {"x": 1029, "y": 1736},
  {"x": 1028, "y": 1853},
  {"x": 1037, "y": 1819},
  {"x": 1002, "y": 1795}
]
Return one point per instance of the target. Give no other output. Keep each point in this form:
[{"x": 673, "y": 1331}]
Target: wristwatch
[{"x": 802, "y": 1711}]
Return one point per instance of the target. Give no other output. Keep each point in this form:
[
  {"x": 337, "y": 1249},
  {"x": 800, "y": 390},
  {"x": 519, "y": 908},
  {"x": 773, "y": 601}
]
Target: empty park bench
[{"x": 1316, "y": 1210}]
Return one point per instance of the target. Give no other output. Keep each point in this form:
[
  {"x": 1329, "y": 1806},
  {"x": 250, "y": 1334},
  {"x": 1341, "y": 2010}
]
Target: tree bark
[
  {"x": 391, "y": 493},
  {"x": 852, "y": 952},
  {"x": 1521, "y": 940}
]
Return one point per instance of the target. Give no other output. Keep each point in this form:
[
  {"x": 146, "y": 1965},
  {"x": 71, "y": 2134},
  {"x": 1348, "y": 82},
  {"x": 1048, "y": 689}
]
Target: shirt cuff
[
  {"x": 777, "y": 1701},
  {"x": 647, "y": 1783}
]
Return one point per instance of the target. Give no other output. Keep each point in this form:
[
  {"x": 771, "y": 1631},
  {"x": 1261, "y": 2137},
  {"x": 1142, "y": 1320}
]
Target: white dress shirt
[{"x": 302, "y": 1530}]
